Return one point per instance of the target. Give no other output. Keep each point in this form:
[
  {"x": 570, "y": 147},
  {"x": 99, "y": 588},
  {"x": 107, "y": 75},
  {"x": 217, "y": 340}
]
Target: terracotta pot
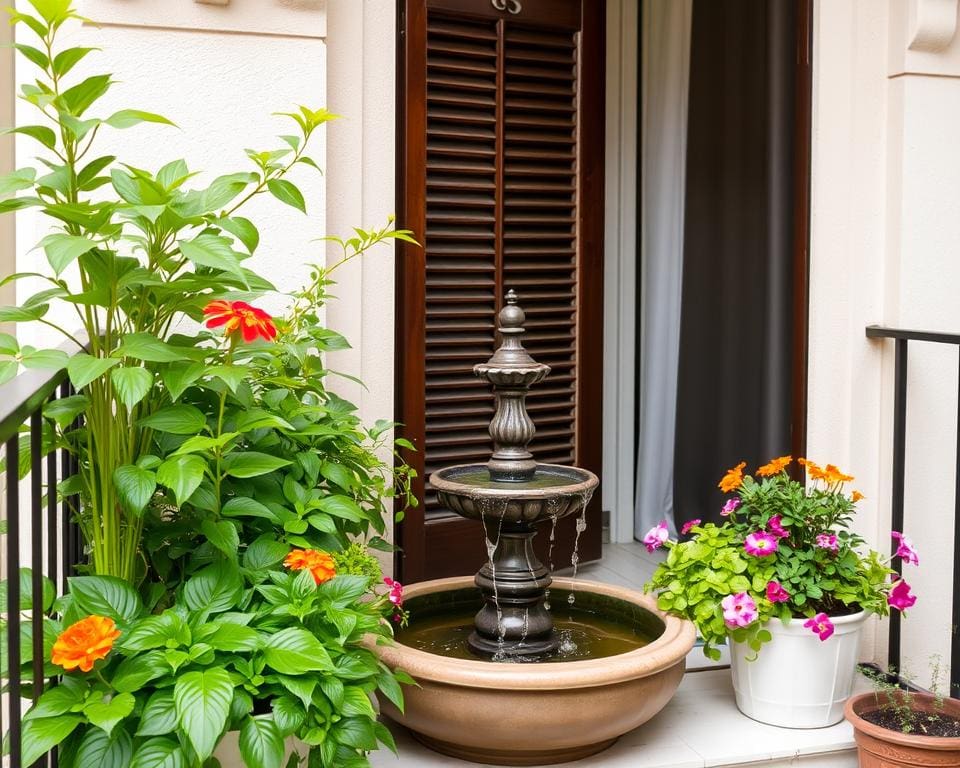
[
  {"x": 798, "y": 680},
  {"x": 880, "y": 747},
  {"x": 537, "y": 714}
]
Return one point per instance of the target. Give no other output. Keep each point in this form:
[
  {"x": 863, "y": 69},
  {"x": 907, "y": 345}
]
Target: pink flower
[
  {"x": 656, "y": 537},
  {"x": 396, "y": 591},
  {"x": 760, "y": 544},
  {"x": 776, "y": 593},
  {"x": 689, "y": 524},
  {"x": 900, "y": 597},
  {"x": 776, "y": 528},
  {"x": 739, "y": 610},
  {"x": 730, "y": 506},
  {"x": 905, "y": 549},
  {"x": 828, "y": 541},
  {"x": 821, "y": 625}
]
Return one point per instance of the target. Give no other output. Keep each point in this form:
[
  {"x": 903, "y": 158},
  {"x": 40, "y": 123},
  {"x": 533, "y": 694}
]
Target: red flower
[{"x": 239, "y": 316}]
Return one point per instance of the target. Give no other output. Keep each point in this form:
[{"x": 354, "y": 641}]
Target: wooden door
[{"x": 501, "y": 130}]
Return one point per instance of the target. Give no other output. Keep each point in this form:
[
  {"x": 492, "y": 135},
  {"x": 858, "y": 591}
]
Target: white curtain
[{"x": 665, "y": 77}]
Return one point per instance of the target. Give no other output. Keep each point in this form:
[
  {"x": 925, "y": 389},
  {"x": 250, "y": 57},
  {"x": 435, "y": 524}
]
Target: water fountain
[{"x": 506, "y": 676}]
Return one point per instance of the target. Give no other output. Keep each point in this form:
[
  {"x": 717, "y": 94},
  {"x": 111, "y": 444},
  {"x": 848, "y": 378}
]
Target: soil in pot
[{"x": 942, "y": 726}]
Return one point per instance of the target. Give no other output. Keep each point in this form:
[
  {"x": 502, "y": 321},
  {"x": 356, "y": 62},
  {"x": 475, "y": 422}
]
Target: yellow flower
[
  {"x": 775, "y": 466},
  {"x": 733, "y": 479}
]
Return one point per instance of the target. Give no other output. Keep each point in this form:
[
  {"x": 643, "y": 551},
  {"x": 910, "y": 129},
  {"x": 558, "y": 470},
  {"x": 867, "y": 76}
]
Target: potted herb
[
  {"x": 788, "y": 584},
  {"x": 894, "y": 726},
  {"x": 227, "y": 499}
]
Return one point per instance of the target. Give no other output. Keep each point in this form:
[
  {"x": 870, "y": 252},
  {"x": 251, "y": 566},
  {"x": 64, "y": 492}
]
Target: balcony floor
[{"x": 700, "y": 728}]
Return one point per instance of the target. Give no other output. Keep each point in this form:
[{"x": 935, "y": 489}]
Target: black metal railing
[
  {"x": 54, "y": 541},
  {"x": 902, "y": 337}
]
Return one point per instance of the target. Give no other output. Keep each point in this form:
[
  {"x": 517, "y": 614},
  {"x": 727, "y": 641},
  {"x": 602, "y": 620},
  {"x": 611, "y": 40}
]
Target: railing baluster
[
  {"x": 36, "y": 557},
  {"x": 13, "y": 596},
  {"x": 51, "y": 541},
  {"x": 898, "y": 479},
  {"x": 955, "y": 621}
]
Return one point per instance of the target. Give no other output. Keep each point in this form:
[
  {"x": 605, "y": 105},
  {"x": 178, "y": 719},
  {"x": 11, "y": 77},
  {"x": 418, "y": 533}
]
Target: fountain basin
[
  {"x": 555, "y": 491},
  {"x": 537, "y": 713}
]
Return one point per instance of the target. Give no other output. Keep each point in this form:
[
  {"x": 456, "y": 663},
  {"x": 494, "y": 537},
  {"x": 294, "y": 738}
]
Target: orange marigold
[
  {"x": 238, "y": 316},
  {"x": 84, "y": 643},
  {"x": 733, "y": 479},
  {"x": 320, "y": 564},
  {"x": 833, "y": 475},
  {"x": 813, "y": 469},
  {"x": 857, "y": 496},
  {"x": 775, "y": 466}
]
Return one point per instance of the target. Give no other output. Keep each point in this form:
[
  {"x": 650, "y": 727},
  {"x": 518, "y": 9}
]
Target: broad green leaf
[
  {"x": 14, "y": 182},
  {"x": 234, "y": 637},
  {"x": 159, "y": 715},
  {"x": 22, "y": 314},
  {"x": 168, "y": 630},
  {"x": 173, "y": 174},
  {"x": 261, "y": 743},
  {"x": 135, "y": 672},
  {"x": 63, "y": 249},
  {"x": 264, "y": 553},
  {"x": 356, "y": 732},
  {"x": 389, "y": 686},
  {"x": 33, "y": 55},
  {"x": 127, "y": 118},
  {"x": 101, "y": 750},
  {"x": 287, "y": 714},
  {"x": 215, "y": 588},
  {"x": 146, "y": 346},
  {"x": 252, "y": 464},
  {"x": 338, "y": 475},
  {"x": 47, "y": 596},
  {"x": 135, "y": 487},
  {"x": 64, "y": 61},
  {"x": 294, "y": 651},
  {"x": 84, "y": 368},
  {"x": 287, "y": 193},
  {"x": 131, "y": 384},
  {"x": 213, "y": 251},
  {"x": 54, "y": 12},
  {"x": 357, "y": 702},
  {"x": 177, "y": 420},
  {"x": 202, "y": 700},
  {"x": 8, "y": 370},
  {"x": 341, "y": 506},
  {"x": 45, "y": 359},
  {"x": 178, "y": 376},
  {"x": 56, "y": 701},
  {"x": 42, "y": 734},
  {"x": 65, "y": 410},
  {"x": 223, "y": 535},
  {"x": 41, "y": 133},
  {"x": 78, "y": 98},
  {"x": 106, "y": 596},
  {"x": 182, "y": 475},
  {"x": 241, "y": 228},
  {"x": 106, "y": 715},
  {"x": 159, "y": 753}
]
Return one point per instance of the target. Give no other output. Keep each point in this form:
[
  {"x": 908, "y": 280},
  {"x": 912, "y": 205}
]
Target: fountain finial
[{"x": 511, "y": 371}]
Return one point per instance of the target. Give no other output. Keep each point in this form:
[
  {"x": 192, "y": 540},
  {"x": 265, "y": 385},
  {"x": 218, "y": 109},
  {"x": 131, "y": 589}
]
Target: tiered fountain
[{"x": 527, "y": 680}]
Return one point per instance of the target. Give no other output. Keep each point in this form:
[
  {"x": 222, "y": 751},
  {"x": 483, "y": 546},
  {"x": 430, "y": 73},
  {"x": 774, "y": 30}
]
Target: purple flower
[
  {"x": 905, "y": 549},
  {"x": 689, "y": 524},
  {"x": 656, "y": 537},
  {"x": 776, "y": 593},
  {"x": 760, "y": 544},
  {"x": 821, "y": 625},
  {"x": 900, "y": 597},
  {"x": 739, "y": 610},
  {"x": 828, "y": 541},
  {"x": 730, "y": 506},
  {"x": 776, "y": 528}
]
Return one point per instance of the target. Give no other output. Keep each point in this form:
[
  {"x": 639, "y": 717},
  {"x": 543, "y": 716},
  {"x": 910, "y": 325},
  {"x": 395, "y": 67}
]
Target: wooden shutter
[{"x": 501, "y": 171}]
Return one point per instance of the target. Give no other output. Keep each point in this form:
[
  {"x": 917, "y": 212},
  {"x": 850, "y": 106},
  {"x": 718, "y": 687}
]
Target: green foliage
[
  {"x": 356, "y": 560},
  {"x": 698, "y": 573}
]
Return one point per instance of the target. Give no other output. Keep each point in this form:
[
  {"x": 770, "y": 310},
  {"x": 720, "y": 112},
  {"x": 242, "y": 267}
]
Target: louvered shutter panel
[{"x": 495, "y": 170}]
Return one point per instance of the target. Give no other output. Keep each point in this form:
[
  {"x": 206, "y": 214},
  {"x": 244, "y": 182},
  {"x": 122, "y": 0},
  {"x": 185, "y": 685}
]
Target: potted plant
[
  {"x": 226, "y": 497},
  {"x": 787, "y": 583},
  {"x": 895, "y": 726}
]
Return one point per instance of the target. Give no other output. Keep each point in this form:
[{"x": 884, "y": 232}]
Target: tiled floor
[{"x": 700, "y": 728}]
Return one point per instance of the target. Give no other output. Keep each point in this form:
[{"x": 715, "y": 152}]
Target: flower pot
[
  {"x": 228, "y": 750},
  {"x": 798, "y": 680},
  {"x": 879, "y": 747}
]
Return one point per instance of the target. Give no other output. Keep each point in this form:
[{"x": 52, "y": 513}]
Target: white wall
[{"x": 885, "y": 229}]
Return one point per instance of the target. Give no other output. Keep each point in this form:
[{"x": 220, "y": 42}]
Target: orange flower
[
  {"x": 733, "y": 479},
  {"x": 320, "y": 564},
  {"x": 813, "y": 469},
  {"x": 82, "y": 644},
  {"x": 833, "y": 475},
  {"x": 857, "y": 496},
  {"x": 239, "y": 316},
  {"x": 775, "y": 466}
]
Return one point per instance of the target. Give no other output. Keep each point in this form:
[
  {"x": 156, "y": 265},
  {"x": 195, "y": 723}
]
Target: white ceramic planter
[
  {"x": 228, "y": 751},
  {"x": 798, "y": 680}
]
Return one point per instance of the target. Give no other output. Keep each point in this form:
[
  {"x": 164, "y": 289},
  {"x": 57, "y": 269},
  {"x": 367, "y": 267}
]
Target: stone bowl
[
  {"x": 537, "y": 714},
  {"x": 556, "y": 491}
]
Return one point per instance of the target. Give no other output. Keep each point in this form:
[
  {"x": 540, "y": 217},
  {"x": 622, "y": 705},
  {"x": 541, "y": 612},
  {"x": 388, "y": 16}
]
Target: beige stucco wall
[{"x": 885, "y": 228}]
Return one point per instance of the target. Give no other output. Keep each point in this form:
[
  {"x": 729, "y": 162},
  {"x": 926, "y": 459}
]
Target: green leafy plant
[
  {"x": 785, "y": 551},
  {"x": 900, "y": 709}
]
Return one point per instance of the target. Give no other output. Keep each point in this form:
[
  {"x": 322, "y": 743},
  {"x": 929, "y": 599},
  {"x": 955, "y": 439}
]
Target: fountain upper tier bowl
[{"x": 554, "y": 491}]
